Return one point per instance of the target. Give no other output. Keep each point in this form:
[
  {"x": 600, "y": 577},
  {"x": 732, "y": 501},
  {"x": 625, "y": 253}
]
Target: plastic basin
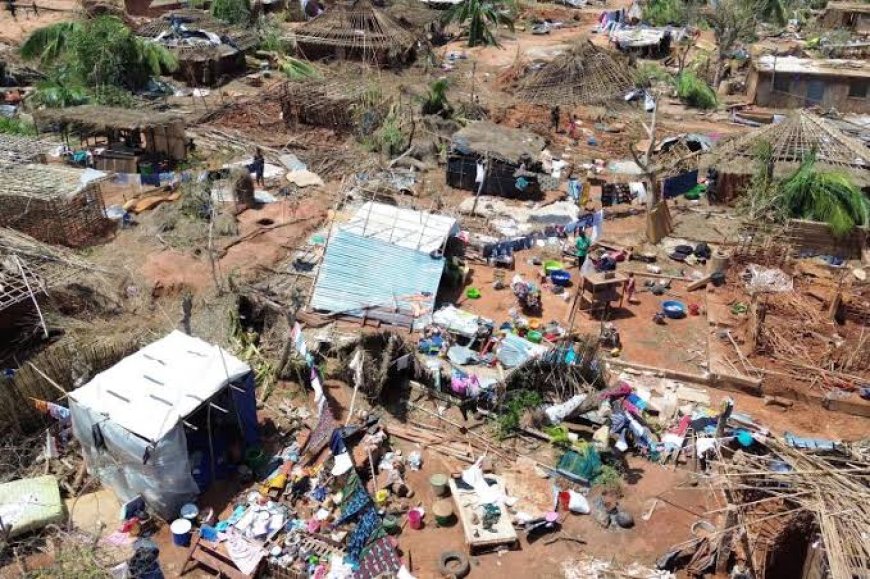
[
  {"x": 674, "y": 309},
  {"x": 552, "y": 265},
  {"x": 560, "y": 277}
]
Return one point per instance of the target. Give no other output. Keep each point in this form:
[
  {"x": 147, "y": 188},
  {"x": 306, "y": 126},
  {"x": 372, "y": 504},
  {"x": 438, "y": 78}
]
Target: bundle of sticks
[{"x": 832, "y": 487}]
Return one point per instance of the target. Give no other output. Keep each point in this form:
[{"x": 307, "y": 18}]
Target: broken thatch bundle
[
  {"x": 554, "y": 378},
  {"x": 830, "y": 487},
  {"x": 340, "y": 104},
  {"x": 385, "y": 356},
  {"x": 356, "y": 31},
  {"x": 790, "y": 142},
  {"x": 584, "y": 75}
]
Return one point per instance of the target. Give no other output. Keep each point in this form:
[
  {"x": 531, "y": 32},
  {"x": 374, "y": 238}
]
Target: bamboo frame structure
[
  {"x": 18, "y": 149},
  {"x": 832, "y": 488},
  {"x": 336, "y": 104},
  {"x": 584, "y": 75},
  {"x": 50, "y": 203},
  {"x": 791, "y": 140},
  {"x": 356, "y": 31}
]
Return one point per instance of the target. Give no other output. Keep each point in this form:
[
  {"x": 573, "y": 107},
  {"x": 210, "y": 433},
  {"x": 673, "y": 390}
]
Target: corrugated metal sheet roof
[
  {"x": 400, "y": 226},
  {"x": 386, "y": 281}
]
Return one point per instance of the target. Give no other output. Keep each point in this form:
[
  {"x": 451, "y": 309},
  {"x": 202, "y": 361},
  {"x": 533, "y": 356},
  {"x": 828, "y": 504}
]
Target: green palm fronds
[
  {"x": 825, "y": 196},
  {"x": 480, "y": 17}
]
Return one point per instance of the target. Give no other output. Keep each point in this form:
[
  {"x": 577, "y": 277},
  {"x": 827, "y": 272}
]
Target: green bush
[
  {"x": 695, "y": 92},
  {"x": 232, "y": 11},
  {"x": 648, "y": 73},
  {"x": 16, "y": 126},
  {"x": 665, "y": 12}
]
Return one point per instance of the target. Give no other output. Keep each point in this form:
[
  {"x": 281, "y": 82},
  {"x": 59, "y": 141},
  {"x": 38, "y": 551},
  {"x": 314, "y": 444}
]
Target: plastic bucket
[
  {"x": 439, "y": 484},
  {"x": 181, "y": 529},
  {"x": 189, "y": 511},
  {"x": 255, "y": 458},
  {"x": 391, "y": 525},
  {"x": 443, "y": 511},
  {"x": 415, "y": 519}
]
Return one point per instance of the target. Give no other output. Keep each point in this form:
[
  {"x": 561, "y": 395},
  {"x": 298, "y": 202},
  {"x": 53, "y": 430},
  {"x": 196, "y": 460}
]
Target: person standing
[
  {"x": 581, "y": 247},
  {"x": 259, "y": 168}
]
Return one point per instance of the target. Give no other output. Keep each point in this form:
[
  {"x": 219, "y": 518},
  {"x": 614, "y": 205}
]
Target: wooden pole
[{"x": 32, "y": 295}]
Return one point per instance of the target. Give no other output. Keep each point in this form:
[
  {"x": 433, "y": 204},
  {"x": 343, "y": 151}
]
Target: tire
[{"x": 454, "y": 564}]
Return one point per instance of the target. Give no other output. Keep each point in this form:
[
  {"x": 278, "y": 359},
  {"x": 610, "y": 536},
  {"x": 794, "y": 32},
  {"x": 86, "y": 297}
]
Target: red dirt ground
[{"x": 171, "y": 271}]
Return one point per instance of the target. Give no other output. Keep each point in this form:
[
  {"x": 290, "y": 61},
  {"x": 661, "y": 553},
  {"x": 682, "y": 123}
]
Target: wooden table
[
  {"x": 596, "y": 291},
  {"x": 470, "y": 512}
]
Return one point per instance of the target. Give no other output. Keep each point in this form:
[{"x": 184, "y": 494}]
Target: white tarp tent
[{"x": 130, "y": 418}]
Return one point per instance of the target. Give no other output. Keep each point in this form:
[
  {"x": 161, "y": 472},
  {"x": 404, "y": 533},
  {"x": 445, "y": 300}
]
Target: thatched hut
[
  {"x": 339, "y": 104},
  {"x": 127, "y": 138},
  {"x": 28, "y": 269},
  {"x": 790, "y": 141},
  {"x": 356, "y": 31},
  {"x": 209, "y": 51},
  {"x": 53, "y": 203},
  {"x": 583, "y": 75},
  {"x": 509, "y": 159},
  {"x": 20, "y": 149}
]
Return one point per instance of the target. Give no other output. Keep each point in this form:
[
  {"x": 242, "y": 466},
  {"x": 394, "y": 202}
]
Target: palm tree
[
  {"x": 48, "y": 43},
  {"x": 825, "y": 196},
  {"x": 97, "y": 52},
  {"x": 481, "y": 16},
  {"x": 56, "y": 91}
]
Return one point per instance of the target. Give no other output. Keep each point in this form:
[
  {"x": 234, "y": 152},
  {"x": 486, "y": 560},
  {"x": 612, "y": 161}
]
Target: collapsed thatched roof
[
  {"x": 488, "y": 139},
  {"x": 412, "y": 13},
  {"x": 791, "y": 141},
  {"x": 28, "y": 265},
  {"x": 99, "y": 118},
  {"x": 182, "y": 32},
  {"x": 584, "y": 75},
  {"x": 357, "y": 26}
]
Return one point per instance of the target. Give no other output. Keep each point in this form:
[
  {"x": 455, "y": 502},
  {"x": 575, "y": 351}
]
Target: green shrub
[
  {"x": 665, "y": 12},
  {"x": 231, "y": 11},
  {"x": 16, "y": 126},
  {"x": 693, "y": 91}
]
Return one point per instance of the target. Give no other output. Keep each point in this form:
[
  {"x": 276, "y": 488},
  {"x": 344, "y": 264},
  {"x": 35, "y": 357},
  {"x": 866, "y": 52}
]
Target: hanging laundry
[
  {"x": 480, "y": 172},
  {"x": 597, "y": 226}
]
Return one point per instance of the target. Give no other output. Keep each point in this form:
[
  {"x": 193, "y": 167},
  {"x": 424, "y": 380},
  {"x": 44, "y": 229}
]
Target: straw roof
[
  {"x": 791, "y": 140},
  {"x": 21, "y": 149},
  {"x": 584, "y": 75},
  {"x": 504, "y": 143},
  {"x": 45, "y": 182},
  {"x": 98, "y": 118},
  {"x": 358, "y": 26},
  {"x": 233, "y": 39}
]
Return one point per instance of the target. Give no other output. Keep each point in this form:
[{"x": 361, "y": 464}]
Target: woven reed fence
[{"x": 68, "y": 365}]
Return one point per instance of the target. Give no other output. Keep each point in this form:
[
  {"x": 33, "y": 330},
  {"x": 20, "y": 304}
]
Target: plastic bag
[{"x": 577, "y": 503}]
